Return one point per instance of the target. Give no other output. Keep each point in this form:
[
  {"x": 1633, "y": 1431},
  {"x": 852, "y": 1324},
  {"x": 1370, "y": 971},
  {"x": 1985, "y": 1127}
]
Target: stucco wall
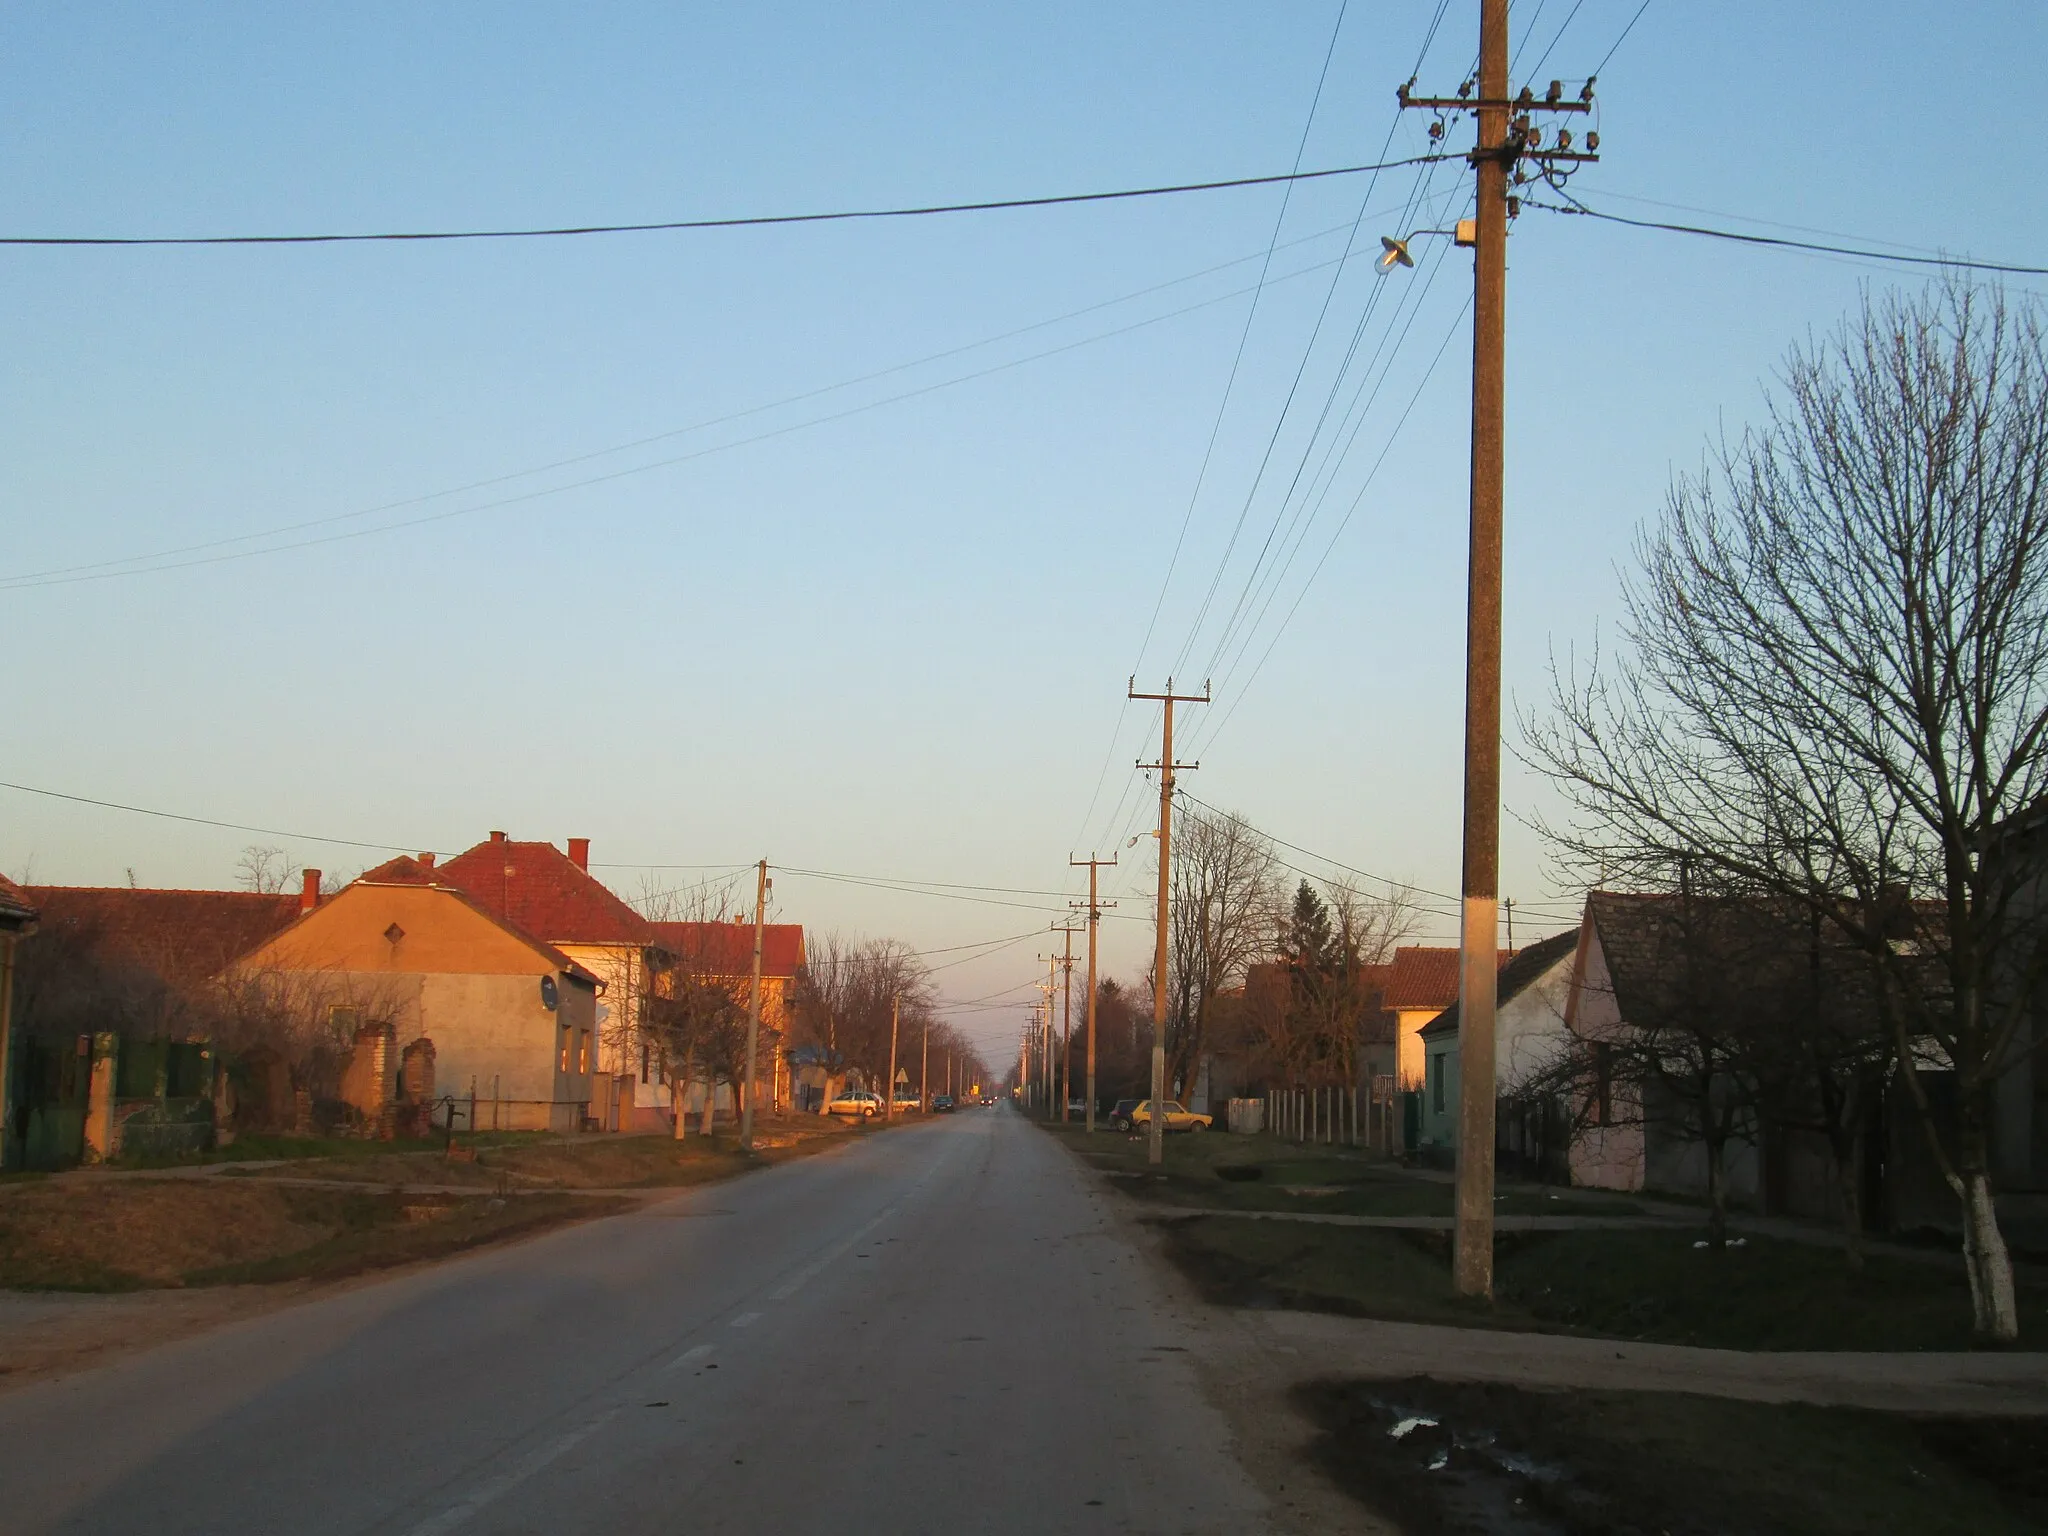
[{"x": 492, "y": 1037}]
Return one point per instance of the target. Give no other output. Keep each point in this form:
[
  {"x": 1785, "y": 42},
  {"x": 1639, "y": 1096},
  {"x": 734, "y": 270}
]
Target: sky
[{"x": 835, "y": 544}]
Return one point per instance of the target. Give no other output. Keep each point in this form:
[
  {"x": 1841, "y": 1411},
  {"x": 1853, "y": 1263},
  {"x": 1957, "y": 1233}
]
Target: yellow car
[{"x": 1177, "y": 1118}]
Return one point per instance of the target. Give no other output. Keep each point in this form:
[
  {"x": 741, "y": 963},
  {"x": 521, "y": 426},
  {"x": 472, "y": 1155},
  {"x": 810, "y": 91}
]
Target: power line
[
  {"x": 754, "y": 221},
  {"x": 698, "y": 426},
  {"x": 90, "y": 574},
  {"x": 231, "y": 826},
  {"x": 1574, "y": 206},
  {"x": 1237, "y": 358},
  {"x": 1601, "y": 67},
  {"x": 1338, "y": 533}
]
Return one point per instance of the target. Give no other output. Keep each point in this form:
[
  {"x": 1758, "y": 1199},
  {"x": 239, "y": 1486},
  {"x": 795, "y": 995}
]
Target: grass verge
[
  {"x": 1221, "y": 1172},
  {"x": 1484, "y": 1457},
  {"x": 138, "y": 1234},
  {"x": 593, "y": 1161},
  {"x": 1652, "y": 1285}
]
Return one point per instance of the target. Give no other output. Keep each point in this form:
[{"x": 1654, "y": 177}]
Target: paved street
[{"x": 938, "y": 1329}]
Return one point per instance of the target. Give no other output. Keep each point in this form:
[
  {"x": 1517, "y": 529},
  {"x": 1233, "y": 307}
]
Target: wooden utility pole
[
  {"x": 753, "y": 1010},
  {"x": 924, "y": 1070},
  {"x": 889, "y": 1097},
  {"x": 1094, "y": 922},
  {"x": 1155, "y": 1126},
  {"x": 1507, "y": 138}
]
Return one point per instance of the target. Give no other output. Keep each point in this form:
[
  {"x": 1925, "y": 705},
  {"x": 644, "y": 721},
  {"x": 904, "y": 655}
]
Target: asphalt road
[{"x": 939, "y": 1329}]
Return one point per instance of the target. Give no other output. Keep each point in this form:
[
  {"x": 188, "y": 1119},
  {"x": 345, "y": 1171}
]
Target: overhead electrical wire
[
  {"x": 1350, "y": 869},
  {"x": 753, "y": 221},
  {"x": 1222, "y": 408},
  {"x": 233, "y": 826},
  {"x": 1429, "y": 38},
  {"x": 1601, "y": 67},
  {"x": 1573, "y": 206},
  {"x": 1412, "y": 298},
  {"x": 698, "y": 426},
  {"x": 134, "y": 566},
  {"x": 1244, "y": 337}
]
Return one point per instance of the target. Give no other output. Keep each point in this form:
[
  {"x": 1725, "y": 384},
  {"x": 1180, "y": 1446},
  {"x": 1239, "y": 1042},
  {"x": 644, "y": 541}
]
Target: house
[
  {"x": 1642, "y": 956},
  {"x": 180, "y": 939},
  {"x": 510, "y": 1020},
  {"x": 1529, "y": 1034},
  {"x": 17, "y": 921},
  {"x": 538, "y": 889},
  {"x": 1421, "y": 982}
]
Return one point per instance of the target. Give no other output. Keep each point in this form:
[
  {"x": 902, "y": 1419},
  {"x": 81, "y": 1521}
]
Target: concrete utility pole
[
  {"x": 1052, "y": 966},
  {"x": 1094, "y": 922},
  {"x": 1155, "y": 1126},
  {"x": 1067, "y": 1022},
  {"x": 924, "y": 1070},
  {"x": 889, "y": 1097},
  {"x": 1507, "y": 138},
  {"x": 753, "y": 1010}
]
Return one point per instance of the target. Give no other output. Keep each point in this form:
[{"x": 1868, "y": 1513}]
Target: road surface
[{"x": 940, "y": 1329}]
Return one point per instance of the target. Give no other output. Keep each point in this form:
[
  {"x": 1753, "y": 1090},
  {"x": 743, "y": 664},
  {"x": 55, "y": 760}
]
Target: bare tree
[
  {"x": 265, "y": 870},
  {"x": 1223, "y": 905},
  {"x": 845, "y": 994},
  {"x": 693, "y": 1023},
  {"x": 1835, "y": 689}
]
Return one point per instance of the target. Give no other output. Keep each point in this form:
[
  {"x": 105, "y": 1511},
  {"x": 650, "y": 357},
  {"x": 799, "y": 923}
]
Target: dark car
[
  {"x": 1120, "y": 1117},
  {"x": 942, "y": 1103}
]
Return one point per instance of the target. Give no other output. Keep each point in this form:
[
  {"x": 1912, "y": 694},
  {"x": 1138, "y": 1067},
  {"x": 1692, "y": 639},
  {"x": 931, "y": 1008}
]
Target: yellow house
[{"x": 513, "y": 1020}]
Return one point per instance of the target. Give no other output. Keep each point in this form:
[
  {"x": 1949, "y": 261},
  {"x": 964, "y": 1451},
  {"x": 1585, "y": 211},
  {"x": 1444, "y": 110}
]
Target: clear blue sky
[{"x": 892, "y": 643}]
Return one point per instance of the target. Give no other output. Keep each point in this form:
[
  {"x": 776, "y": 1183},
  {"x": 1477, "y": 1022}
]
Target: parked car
[
  {"x": 908, "y": 1101},
  {"x": 942, "y": 1103},
  {"x": 856, "y": 1101},
  {"x": 1177, "y": 1118},
  {"x": 1120, "y": 1116}
]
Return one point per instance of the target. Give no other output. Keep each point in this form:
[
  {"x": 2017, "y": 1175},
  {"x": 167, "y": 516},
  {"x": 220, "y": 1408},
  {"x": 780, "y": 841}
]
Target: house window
[
  {"x": 583, "y": 1051},
  {"x": 1603, "y": 1085},
  {"x": 568, "y": 1039}
]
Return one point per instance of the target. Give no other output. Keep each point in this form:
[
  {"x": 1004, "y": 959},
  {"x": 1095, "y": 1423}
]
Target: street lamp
[{"x": 1395, "y": 252}]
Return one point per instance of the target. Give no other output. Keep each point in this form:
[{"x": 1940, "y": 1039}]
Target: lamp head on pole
[{"x": 1395, "y": 254}]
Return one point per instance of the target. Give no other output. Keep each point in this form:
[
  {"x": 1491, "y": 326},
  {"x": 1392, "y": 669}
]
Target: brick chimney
[
  {"x": 579, "y": 853},
  {"x": 426, "y": 861},
  {"x": 309, "y": 889},
  {"x": 497, "y": 837}
]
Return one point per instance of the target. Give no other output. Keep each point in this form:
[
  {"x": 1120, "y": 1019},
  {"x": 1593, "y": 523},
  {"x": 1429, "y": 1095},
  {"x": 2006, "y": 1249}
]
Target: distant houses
[{"x": 506, "y": 986}]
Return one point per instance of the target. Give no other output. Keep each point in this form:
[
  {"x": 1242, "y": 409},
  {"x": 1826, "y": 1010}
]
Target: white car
[{"x": 856, "y": 1101}]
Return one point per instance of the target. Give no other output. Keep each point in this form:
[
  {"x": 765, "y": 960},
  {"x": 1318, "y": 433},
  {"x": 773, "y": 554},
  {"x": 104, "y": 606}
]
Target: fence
[{"x": 1380, "y": 1119}]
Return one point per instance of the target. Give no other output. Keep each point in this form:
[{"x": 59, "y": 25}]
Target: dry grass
[
  {"x": 587, "y": 1162},
  {"x": 135, "y": 1234}
]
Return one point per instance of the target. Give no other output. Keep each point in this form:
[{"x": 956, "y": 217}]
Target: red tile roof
[
  {"x": 403, "y": 870},
  {"x": 536, "y": 887},
  {"x": 183, "y": 936},
  {"x": 16, "y": 910},
  {"x": 1425, "y": 976},
  {"x": 727, "y": 949}
]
